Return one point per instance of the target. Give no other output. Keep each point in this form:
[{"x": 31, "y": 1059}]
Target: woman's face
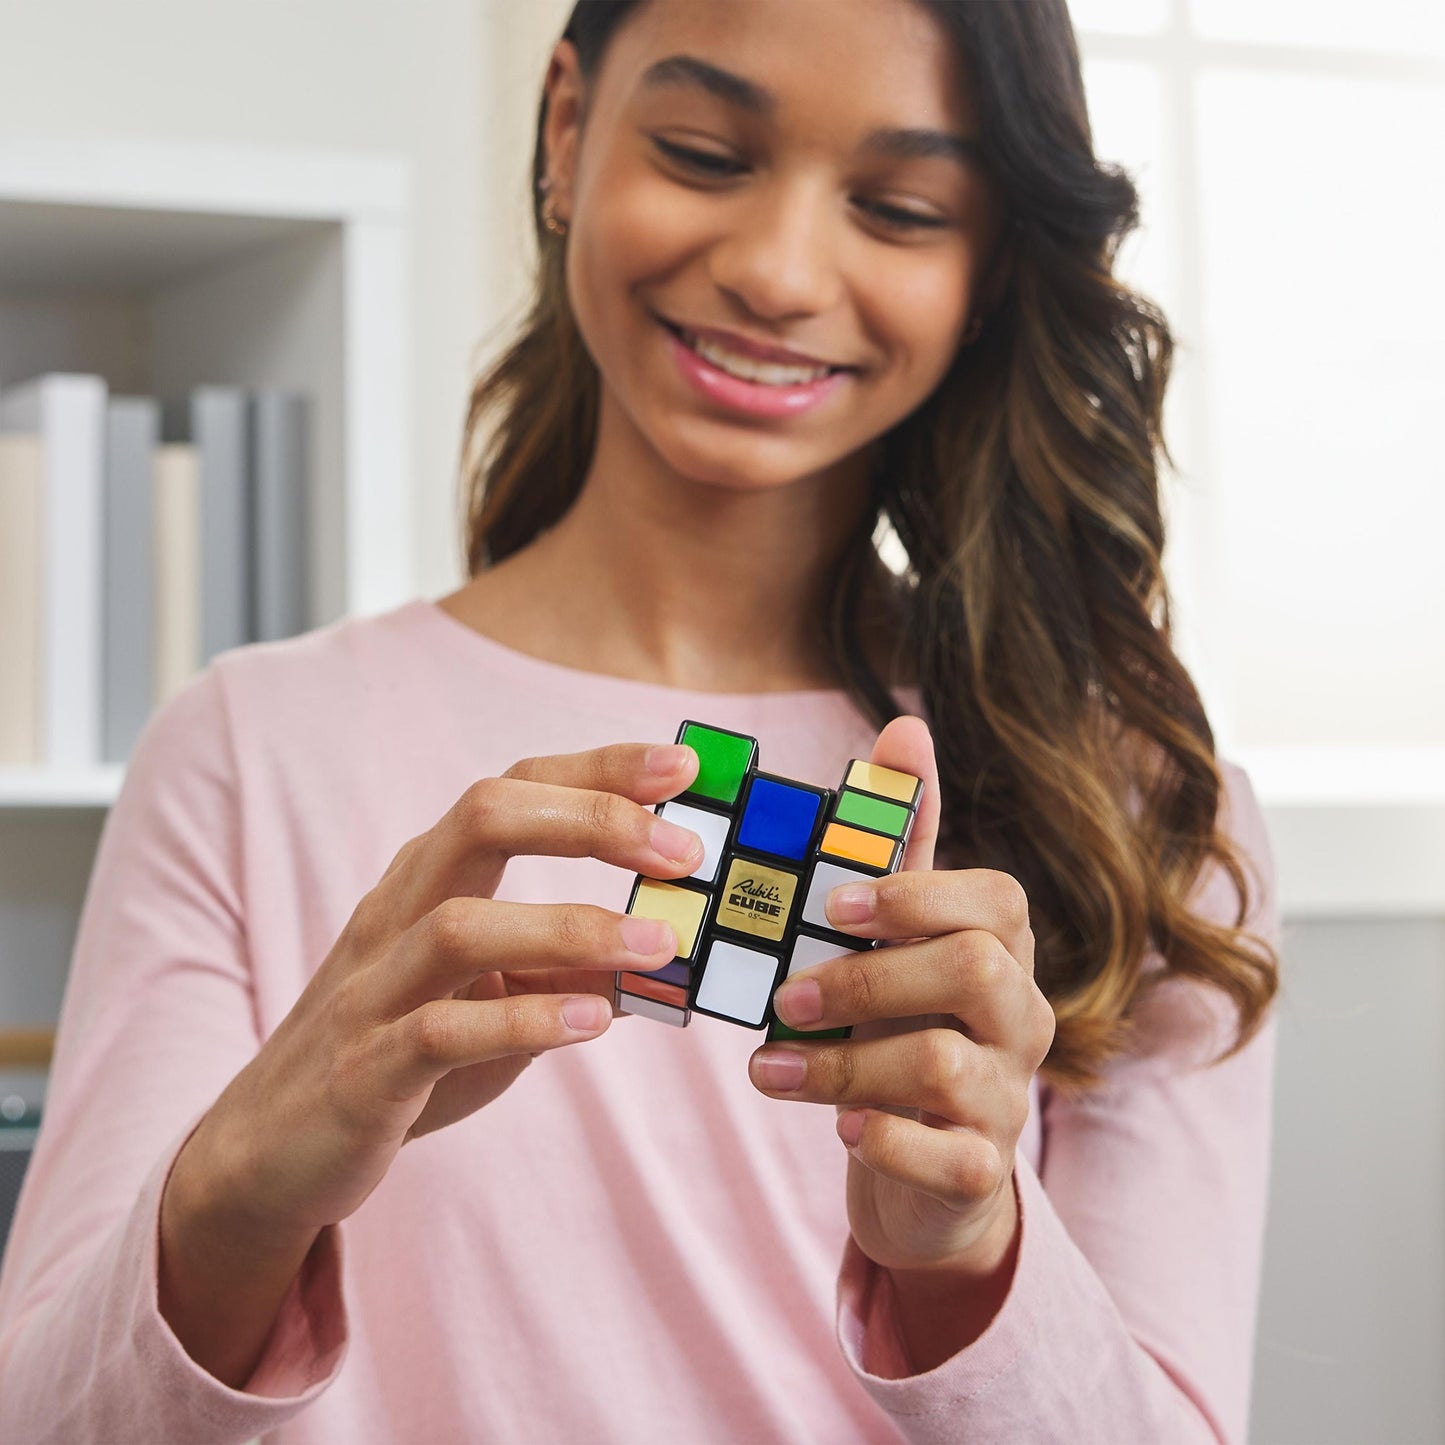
[{"x": 790, "y": 230}]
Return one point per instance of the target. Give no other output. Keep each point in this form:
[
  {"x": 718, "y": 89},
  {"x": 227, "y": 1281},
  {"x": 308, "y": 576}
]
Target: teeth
[{"x": 769, "y": 373}]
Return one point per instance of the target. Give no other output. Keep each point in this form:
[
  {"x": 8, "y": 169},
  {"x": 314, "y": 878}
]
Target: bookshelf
[{"x": 161, "y": 266}]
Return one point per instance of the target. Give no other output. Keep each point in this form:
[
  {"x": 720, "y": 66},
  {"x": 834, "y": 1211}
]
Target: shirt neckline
[{"x": 796, "y": 707}]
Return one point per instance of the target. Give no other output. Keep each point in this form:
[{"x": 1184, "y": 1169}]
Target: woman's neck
[{"x": 704, "y": 588}]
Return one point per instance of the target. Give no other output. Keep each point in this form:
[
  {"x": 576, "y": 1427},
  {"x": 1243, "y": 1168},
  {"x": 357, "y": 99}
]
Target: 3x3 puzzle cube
[{"x": 752, "y": 912}]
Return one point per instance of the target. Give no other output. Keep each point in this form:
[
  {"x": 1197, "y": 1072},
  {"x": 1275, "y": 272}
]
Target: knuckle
[
  {"x": 579, "y": 928},
  {"x": 517, "y": 1013},
  {"x": 1018, "y": 1114},
  {"x": 600, "y": 812},
  {"x": 608, "y": 764},
  {"x": 841, "y": 1067},
  {"x": 479, "y": 805},
  {"x": 860, "y": 986},
  {"x": 525, "y": 768},
  {"x": 978, "y": 1171},
  {"x": 1007, "y": 894},
  {"x": 449, "y": 928},
  {"x": 899, "y": 893},
  {"x": 364, "y": 930},
  {"x": 430, "y": 1034},
  {"x": 942, "y": 1062},
  {"x": 976, "y": 962},
  {"x": 1045, "y": 1026}
]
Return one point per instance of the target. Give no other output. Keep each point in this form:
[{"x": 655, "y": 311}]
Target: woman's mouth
[{"x": 744, "y": 384}]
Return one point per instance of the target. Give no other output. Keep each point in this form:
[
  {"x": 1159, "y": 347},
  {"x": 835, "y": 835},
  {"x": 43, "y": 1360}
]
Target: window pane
[
  {"x": 1120, "y": 17},
  {"x": 1126, "y": 112},
  {"x": 1322, "y": 304},
  {"x": 1409, "y": 27}
]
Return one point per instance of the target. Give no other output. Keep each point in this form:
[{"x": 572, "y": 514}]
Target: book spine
[
  {"x": 282, "y": 500},
  {"x": 177, "y": 512},
  {"x": 68, "y": 412},
  {"x": 22, "y": 464},
  {"x": 132, "y": 434},
  {"x": 214, "y": 420}
]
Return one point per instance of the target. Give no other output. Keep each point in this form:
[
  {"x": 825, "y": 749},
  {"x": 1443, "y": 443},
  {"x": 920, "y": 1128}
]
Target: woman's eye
[
  {"x": 720, "y": 167},
  {"x": 892, "y": 216},
  {"x": 698, "y": 160}
]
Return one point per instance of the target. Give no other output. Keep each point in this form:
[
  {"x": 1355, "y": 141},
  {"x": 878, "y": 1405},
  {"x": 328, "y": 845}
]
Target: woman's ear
[
  {"x": 998, "y": 275},
  {"x": 564, "y": 87}
]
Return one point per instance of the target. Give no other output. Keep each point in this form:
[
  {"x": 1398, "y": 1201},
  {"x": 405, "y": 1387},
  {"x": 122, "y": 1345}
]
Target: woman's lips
[{"x": 752, "y": 398}]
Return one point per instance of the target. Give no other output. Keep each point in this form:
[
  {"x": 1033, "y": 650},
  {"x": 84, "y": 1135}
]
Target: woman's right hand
[{"x": 436, "y": 996}]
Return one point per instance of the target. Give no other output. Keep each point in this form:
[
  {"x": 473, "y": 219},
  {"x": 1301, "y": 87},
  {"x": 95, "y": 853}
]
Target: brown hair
[{"x": 1073, "y": 748}]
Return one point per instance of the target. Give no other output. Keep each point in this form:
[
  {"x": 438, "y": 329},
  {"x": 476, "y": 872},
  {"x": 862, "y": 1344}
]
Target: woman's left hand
[{"x": 932, "y": 1088}]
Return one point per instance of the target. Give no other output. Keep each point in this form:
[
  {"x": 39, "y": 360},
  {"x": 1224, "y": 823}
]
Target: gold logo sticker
[{"x": 757, "y": 899}]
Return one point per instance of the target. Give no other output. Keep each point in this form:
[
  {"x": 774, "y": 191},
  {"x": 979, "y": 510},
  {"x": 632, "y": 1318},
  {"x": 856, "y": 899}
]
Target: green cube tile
[
  {"x": 779, "y": 1030},
  {"x": 873, "y": 813},
  {"x": 723, "y": 760}
]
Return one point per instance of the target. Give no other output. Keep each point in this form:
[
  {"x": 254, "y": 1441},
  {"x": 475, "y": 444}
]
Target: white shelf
[
  {"x": 163, "y": 266},
  {"x": 46, "y": 788}
]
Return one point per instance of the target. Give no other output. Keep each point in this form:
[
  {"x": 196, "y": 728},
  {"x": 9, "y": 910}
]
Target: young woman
[{"x": 344, "y": 1141}]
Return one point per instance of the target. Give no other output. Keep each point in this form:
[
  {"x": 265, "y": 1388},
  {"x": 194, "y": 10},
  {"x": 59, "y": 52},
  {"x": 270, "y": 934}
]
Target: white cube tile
[
  {"x": 712, "y": 828},
  {"x": 737, "y": 982},
  {"x": 826, "y": 877}
]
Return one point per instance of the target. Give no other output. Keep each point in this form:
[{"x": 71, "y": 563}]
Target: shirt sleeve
[
  {"x": 1131, "y": 1314},
  {"x": 158, "y": 1016}
]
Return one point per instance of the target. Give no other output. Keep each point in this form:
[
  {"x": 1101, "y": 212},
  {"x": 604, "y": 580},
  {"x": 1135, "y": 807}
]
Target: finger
[
  {"x": 645, "y": 772},
  {"x": 968, "y": 975},
  {"x": 413, "y": 1052},
  {"x": 939, "y": 1070},
  {"x": 907, "y": 745},
  {"x": 928, "y": 904},
  {"x": 499, "y": 818},
  {"x": 958, "y": 1167},
  {"x": 464, "y": 937}
]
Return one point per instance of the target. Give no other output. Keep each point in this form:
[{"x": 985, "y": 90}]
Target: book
[
  {"x": 176, "y": 511},
  {"x": 22, "y": 478},
  {"x": 128, "y": 691},
  {"x": 281, "y": 494},
  {"x": 67, "y": 410},
  {"x": 213, "y": 419}
]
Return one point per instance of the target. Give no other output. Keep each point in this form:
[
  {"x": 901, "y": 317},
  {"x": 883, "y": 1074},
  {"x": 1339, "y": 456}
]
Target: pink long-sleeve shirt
[{"x": 632, "y": 1243}]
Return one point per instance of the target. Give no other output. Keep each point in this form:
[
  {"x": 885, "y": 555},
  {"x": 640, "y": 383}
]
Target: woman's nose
[{"x": 779, "y": 253}]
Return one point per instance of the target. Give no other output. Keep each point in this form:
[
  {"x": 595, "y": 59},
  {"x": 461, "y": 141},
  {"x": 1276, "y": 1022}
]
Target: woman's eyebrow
[{"x": 909, "y": 143}]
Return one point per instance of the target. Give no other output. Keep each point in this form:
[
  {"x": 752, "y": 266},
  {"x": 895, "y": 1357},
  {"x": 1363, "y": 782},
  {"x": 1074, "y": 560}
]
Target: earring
[{"x": 549, "y": 209}]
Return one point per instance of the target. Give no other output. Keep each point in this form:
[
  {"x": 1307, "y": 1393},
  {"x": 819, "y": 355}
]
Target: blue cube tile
[{"x": 778, "y": 819}]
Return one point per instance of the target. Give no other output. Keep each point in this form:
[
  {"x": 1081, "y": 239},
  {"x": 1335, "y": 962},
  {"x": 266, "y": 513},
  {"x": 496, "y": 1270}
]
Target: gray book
[
  {"x": 214, "y": 420},
  {"x": 132, "y": 432},
  {"x": 279, "y": 440}
]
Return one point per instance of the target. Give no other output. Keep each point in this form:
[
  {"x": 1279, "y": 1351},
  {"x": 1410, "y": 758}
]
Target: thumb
[{"x": 907, "y": 745}]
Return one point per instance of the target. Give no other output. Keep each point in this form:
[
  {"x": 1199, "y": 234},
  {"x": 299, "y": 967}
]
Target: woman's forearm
[{"x": 222, "y": 1278}]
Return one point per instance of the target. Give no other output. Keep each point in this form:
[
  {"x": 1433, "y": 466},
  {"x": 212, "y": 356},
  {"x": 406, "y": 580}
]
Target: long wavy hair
[{"x": 1073, "y": 748}]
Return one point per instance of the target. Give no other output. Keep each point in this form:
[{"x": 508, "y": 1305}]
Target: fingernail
[
  {"x": 852, "y": 903},
  {"x": 647, "y": 935},
  {"x": 586, "y": 1012},
  {"x": 783, "y": 1071},
  {"x": 800, "y": 1002},
  {"x": 681, "y": 845},
  {"x": 850, "y": 1127},
  {"x": 667, "y": 760}
]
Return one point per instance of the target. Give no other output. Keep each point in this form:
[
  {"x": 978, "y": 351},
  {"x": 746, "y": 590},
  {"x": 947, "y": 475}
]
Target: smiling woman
[{"x": 810, "y": 274}]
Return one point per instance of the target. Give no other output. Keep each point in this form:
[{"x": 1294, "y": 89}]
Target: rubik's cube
[{"x": 751, "y": 913}]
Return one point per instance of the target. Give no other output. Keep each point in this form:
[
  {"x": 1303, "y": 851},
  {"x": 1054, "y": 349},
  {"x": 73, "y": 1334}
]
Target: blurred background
[{"x": 328, "y": 201}]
